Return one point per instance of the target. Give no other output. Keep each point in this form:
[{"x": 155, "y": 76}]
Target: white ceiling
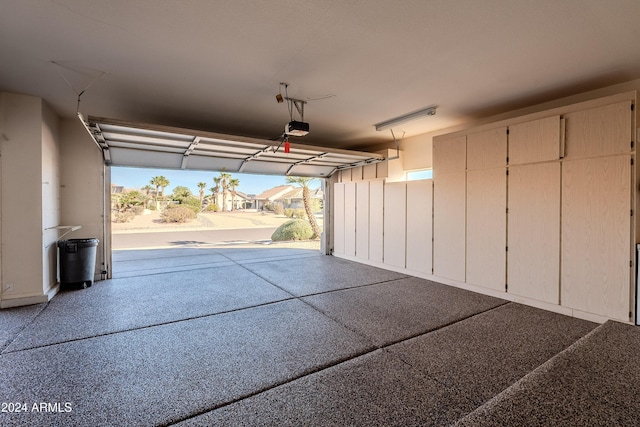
[{"x": 217, "y": 65}]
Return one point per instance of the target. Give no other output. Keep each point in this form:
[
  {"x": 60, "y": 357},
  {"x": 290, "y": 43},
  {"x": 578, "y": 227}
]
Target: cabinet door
[
  {"x": 395, "y": 230},
  {"x": 599, "y": 131},
  {"x": 535, "y": 141},
  {"x": 419, "y": 225},
  {"x": 487, "y": 149},
  {"x": 362, "y": 220},
  {"x": 449, "y": 210},
  {"x": 596, "y": 235},
  {"x": 338, "y": 218},
  {"x": 350, "y": 218},
  {"x": 449, "y": 155},
  {"x": 533, "y": 259},
  {"x": 376, "y": 220},
  {"x": 487, "y": 228}
]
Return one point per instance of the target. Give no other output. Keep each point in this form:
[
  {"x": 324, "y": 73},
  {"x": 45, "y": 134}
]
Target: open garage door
[{"x": 143, "y": 145}]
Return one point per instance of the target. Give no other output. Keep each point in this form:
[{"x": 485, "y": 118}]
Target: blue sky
[{"x": 137, "y": 178}]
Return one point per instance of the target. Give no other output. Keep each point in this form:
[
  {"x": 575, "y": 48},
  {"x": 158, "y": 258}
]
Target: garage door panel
[{"x": 128, "y": 157}]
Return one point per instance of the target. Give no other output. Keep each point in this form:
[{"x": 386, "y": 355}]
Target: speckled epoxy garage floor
[{"x": 275, "y": 336}]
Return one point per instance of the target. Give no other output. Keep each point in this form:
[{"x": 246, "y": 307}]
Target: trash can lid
[{"x": 79, "y": 242}]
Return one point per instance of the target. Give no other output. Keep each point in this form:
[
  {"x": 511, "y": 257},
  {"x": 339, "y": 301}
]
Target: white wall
[
  {"x": 29, "y": 199},
  {"x": 51, "y": 175},
  {"x": 82, "y": 190},
  {"x": 50, "y": 196}
]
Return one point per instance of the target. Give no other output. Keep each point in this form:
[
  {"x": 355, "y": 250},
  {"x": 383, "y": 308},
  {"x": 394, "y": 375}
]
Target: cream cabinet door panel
[
  {"x": 338, "y": 218},
  {"x": 487, "y": 228},
  {"x": 599, "y": 131},
  {"x": 449, "y": 155},
  {"x": 533, "y": 259},
  {"x": 449, "y": 210},
  {"x": 362, "y": 220},
  {"x": 535, "y": 141},
  {"x": 395, "y": 229},
  {"x": 419, "y": 225},
  {"x": 376, "y": 220},
  {"x": 487, "y": 149},
  {"x": 596, "y": 235},
  {"x": 350, "y": 218}
]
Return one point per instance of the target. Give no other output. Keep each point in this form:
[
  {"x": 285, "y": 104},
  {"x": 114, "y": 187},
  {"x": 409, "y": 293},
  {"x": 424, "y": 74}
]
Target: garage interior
[{"x": 500, "y": 292}]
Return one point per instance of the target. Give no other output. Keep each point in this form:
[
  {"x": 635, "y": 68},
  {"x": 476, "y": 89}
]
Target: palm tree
[
  {"x": 216, "y": 189},
  {"x": 147, "y": 190},
  {"x": 224, "y": 183},
  {"x": 201, "y": 187},
  {"x": 233, "y": 183},
  {"x": 156, "y": 181},
  {"x": 306, "y": 198},
  {"x": 164, "y": 182}
]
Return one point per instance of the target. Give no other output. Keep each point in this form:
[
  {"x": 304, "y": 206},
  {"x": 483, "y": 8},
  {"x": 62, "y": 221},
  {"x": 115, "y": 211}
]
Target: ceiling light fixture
[{"x": 431, "y": 111}]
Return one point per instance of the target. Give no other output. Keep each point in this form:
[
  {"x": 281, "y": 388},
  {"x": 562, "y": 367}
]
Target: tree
[
  {"x": 180, "y": 194},
  {"x": 201, "y": 187},
  {"x": 159, "y": 182},
  {"x": 216, "y": 189},
  {"x": 233, "y": 183},
  {"x": 164, "y": 182},
  {"x": 306, "y": 198},
  {"x": 224, "y": 183},
  {"x": 155, "y": 181}
]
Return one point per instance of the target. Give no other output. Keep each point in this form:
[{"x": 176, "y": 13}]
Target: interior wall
[
  {"x": 50, "y": 196},
  {"x": 29, "y": 132},
  {"x": 82, "y": 191}
]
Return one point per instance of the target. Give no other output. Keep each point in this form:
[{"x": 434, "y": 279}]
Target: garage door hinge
[
  {"x": 507, "y": 172},
  {"x": 506, "y": 248},
  {"x": 506, "y": 287},
  {"x": 631, "y": 212},
  {"x": 507, "y": 160},
  {"x": 632, "y": 148},
  {"x": 507, "y": 131},
  {"x": 507, "y": 210},
  {"x": 632, "y": 159},
  {"x": 632, "y": 106},
  {"x": 630, "y": 263}
]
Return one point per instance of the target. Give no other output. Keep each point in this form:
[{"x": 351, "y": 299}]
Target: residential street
[
  {"x": 220, "y": 228},
  {"x": 158, "y": 238}
]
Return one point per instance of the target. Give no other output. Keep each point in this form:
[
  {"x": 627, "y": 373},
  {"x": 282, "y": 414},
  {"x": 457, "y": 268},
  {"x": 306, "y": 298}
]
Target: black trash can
[{"x": 77, "y": 262}]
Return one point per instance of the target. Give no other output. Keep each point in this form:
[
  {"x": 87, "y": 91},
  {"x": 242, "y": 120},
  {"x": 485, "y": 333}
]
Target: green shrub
[
  {"x": 278, "y": 209},
  {"x": 212, "y": 207},
  {"x": 295, "y": 229},
  {"x": 289, "y": 212},
  {"x": 300, "y": 214},
  {"x": 179, "y": 213}
]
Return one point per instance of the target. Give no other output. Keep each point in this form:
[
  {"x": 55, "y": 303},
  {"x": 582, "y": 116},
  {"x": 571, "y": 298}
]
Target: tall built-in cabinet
[
  {"x": 539, "y": 209},
  {"x": 449, "y": 207},
  {"x": 486, "y": 202}
]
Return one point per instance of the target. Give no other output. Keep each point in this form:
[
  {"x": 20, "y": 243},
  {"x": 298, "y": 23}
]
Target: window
[{"x": 420, "y": 174}]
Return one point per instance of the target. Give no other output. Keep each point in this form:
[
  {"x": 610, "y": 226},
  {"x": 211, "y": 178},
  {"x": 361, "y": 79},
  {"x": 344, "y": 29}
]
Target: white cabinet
[
  {"x": 395, "y": 229},
  {"x": 596, "y": 235},
  {"x": 419, "y": 225},
  {"x": 533, "y": 268}
]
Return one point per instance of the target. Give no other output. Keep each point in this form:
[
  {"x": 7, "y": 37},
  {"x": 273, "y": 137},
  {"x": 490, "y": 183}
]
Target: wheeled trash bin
[{"x": 77, "y": 262}]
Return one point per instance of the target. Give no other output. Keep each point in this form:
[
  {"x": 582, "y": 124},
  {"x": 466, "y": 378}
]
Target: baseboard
[
  {"x": 37, "y": 299},
  {"x": 486, "y": 291}
]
